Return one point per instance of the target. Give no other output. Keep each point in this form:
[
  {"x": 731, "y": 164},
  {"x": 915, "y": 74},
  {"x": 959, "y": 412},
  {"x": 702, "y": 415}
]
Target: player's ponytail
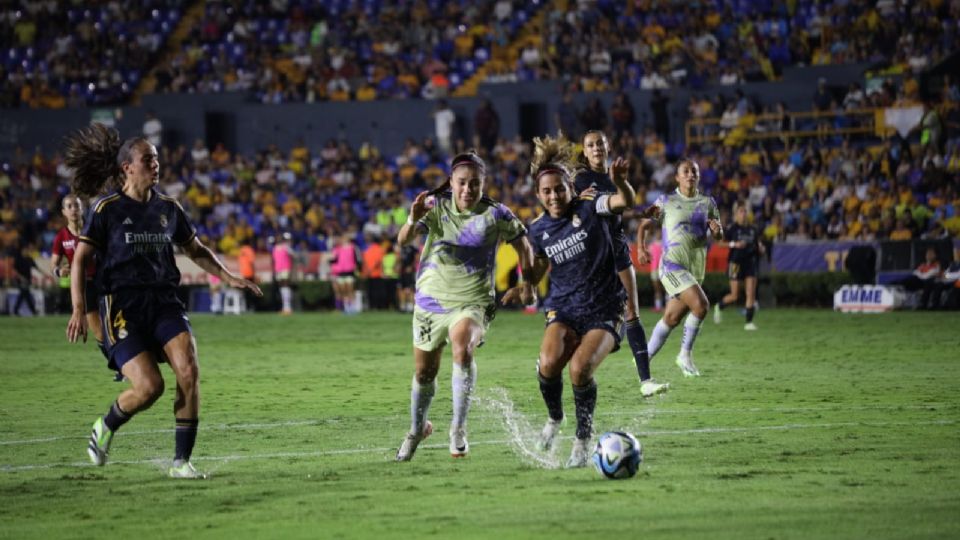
[
  {"x": 96, "y": 156},
  {"x": 552, "y": 155}
]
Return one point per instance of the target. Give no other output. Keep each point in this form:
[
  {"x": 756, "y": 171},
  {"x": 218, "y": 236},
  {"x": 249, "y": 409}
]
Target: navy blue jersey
[
  {"x": 583, "y": 277},
  {"x": 588, "y": 178},
  {"x": 743, "y": 233},
  {"x": 135, "y": 241}
]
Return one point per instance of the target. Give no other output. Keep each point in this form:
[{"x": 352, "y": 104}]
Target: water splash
[{"x": 522, "y": 436}]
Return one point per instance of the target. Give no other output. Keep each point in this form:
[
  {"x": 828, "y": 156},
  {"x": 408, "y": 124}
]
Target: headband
[{"x": 551, "y": 170}]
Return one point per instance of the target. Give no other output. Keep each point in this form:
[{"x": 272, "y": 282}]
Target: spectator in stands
[
  {"x": 372, "y": 272},
  {"x": 444, "y": 121},
  {"x": 622, "y": 114},
  {"x": 949, "y": 285},
  {"x": 153, "y": 129},
  {"x": 567, "y": 117},
  {"x": 926, "y": 278},
  {"x": 486, "y": 125},
  {"x": 593, "y": 117},
  {"x": 661, "y": 119}
]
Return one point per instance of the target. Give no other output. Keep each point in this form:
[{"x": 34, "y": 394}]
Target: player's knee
[
  {"x": 700, "y": 309},
  {"x": 580, "y": 374},
  {"x": 149, "y": 389}
]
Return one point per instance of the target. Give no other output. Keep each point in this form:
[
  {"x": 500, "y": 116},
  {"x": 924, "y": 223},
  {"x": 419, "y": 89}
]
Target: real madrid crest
[
  {"x": 163, "y": 220},
  {"x": 575, "y": 221}
]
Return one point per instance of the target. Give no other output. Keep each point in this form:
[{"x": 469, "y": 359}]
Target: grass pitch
[{"x": 820, "y": 425}]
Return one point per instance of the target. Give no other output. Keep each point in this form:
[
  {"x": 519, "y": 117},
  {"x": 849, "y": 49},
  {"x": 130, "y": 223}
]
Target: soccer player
[
  {"x": 686, "y": 216},
  {"x": 745, "y": 247},
  {"x": 585, "y": 305},
  {"x": 133, "y": 230},
  {"x": 595, "y": 175},
  {"x": 344, "y": 265},
  {"x": 64, "y": 247},
  {"x": 455, "y": 297}
]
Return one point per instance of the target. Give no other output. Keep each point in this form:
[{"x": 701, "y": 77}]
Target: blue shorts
[
  {"x": 621, "y": 253},
  {"x": 582, "y": 325},
  {"x": 140, "y": 320}
]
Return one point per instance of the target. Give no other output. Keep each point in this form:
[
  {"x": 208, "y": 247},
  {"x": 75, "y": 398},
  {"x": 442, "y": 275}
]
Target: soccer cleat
[
  {"x": 686, "y": 365},
  {"x": 549, "y": 434},
  {"x": 99, "y": 445},
  {"x": 410, "y": 442},
  {"x": 749, "y": 326},
  {"x": 459, "y": 447},
  {"x": 580, "y": 454},
  {"x": 184, "y": 469},
  {"x": 651, "y": 387},
  {"x": 717, "y": 315}
]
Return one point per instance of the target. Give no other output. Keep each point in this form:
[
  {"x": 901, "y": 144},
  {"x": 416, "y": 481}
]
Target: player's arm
[
  {"x": 625, "y": 195},
  {"x": 417, "y": 210},
  {"x": 648, "y": 221},
  {"x": 531, "y": 279},
  {"x": 208, "y": 261},
  {"x": 525, "y": 251},
  {"x": 77, "y": 326}
]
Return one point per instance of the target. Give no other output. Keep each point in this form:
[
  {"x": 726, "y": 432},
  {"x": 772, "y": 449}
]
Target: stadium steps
[
  {"x": 190, "y": 19},
  {"x": 506, "y": 56}
]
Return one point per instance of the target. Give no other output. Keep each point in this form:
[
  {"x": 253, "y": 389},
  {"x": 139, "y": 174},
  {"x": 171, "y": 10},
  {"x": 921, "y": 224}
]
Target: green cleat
[
  {"x": 99, "y": 445},
  {"x": 184, "y": 469},
  {"x": 650, "y": 388}
]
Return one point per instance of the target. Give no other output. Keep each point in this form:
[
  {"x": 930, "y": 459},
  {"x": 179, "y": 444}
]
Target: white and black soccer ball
[{"x": 618, "y": 455}]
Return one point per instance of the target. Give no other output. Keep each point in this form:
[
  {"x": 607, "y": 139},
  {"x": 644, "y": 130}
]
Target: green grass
[{"x": 820, "y": 425}]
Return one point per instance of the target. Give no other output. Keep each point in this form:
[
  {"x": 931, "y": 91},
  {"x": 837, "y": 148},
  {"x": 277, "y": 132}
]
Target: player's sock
[
  {"x": 421, "y": 395},
  {"x": 658, "y": 304},
  {"x": 462, "y": 383},
  {"x": 216, "y": 302},
  {"x": 720, "y": 304},
  {"x": 286, "y": 295},
  {"x": 637, "y": 339},
  {"x": 691, "y": 327},
  {"x": 552, "y": 391},
  {"x": 585, "y": 400},
  {"x": 116, "y": 417},
  {"x": 659, "y": 336},
  {"x": 750, "y": 311},
  {"x": 185, "y": 436}
]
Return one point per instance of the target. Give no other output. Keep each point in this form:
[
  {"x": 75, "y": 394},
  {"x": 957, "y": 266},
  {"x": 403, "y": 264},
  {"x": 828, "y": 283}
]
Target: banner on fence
[
  {"x": 811, "y": 256},
  {"x": 868, "y": 299}
]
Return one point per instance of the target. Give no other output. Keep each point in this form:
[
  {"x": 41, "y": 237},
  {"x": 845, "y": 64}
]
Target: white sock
[
  {"x": 357, "y": 302},
  {"x": 691, "y": 327},
  {"x": 421, "y": 395},
  {"x": 658, "y": 337},
  {"x": 287, "y": 296},
  {"x": 462, "y": 383}
]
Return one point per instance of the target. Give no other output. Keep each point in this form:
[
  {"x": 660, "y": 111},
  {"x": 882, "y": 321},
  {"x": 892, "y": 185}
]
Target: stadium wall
[{"x": 247, "y": 127}]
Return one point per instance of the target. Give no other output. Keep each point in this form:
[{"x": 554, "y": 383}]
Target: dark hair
[
  {"x": 582, "y": 162},
  {"x": 96, "y": 156},
  {"x": 469, "y": 158}
]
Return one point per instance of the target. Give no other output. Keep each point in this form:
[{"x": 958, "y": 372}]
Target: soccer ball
[{"x": 618, "y": 454}]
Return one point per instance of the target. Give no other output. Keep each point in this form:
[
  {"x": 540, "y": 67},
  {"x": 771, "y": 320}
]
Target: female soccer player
[
  {"x": 585, "y": 305},
  {"x": 594, "y": 174},
  {"x": 686, "y": 216},
  {"x": 455, "y": 297},
  {"x": 65, "y": 245},
  {"x": 133, "y": 230},
  {"x": 745, "y": 247}
]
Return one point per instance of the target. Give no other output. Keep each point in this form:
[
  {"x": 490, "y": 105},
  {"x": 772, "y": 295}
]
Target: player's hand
[
  {"x": 77, "y": 327},
  {"x": 522, "y": 293},
  {"x": 419, "y": 207},
  {"x": 643, "y": 255},
  {"x": 241, "y": 283},
  {"x": 619, "y": 169},
  {"x": 715, "y": 226},
  {"x": 651, "y": 212},
  {"x": 589, "y": 192}
]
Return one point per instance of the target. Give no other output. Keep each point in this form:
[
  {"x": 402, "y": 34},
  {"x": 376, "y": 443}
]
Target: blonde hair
[{"x": 551, "y": 154}]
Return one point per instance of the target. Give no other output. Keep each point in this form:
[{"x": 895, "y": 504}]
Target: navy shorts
[
  {"x": 740, "y": 271},
  {"x": 621, "y": 253},
  {"x": 582, "y": 325},
  {"x": 136, "y": 320}
]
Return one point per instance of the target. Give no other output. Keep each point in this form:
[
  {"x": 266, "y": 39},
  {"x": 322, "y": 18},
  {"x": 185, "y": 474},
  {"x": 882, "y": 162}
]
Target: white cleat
[
  {"x": 686, "y": 365},
  {"x": 650, "y": 388},
  {"x": 717, "y": 316},
  {"x": 548, "y": 435},
  {"x": 184, "y": 469},
  {"x": 750, "y": 326},
  {"x": 459, "y": 447},
  {"x": 580, "y": 454},
  {"x": 410, "y": 442}
]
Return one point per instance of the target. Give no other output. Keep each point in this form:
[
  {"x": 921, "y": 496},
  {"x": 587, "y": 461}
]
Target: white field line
[
  {"x": 389, "y": 450},
  {"x": 478, "y": 417}
]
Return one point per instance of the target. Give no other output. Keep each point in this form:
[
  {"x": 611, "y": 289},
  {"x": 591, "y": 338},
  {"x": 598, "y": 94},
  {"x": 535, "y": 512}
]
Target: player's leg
[
  {"x": 595, "y": 345},
  {"x": 556, "y": 348},
  {"x": 181, "y": 353},
  {"x": 750, "y": 288},
  {"x": 672, "y": 315},
  {"x": 466, "y": 335},
  {"x": 428, "y": 342},
  {"x": 696, "y": 300},
  {"x": 636, "y": 336},
  {"x": 146, "y": 386},
  {"x": 730, "y": 298}
]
